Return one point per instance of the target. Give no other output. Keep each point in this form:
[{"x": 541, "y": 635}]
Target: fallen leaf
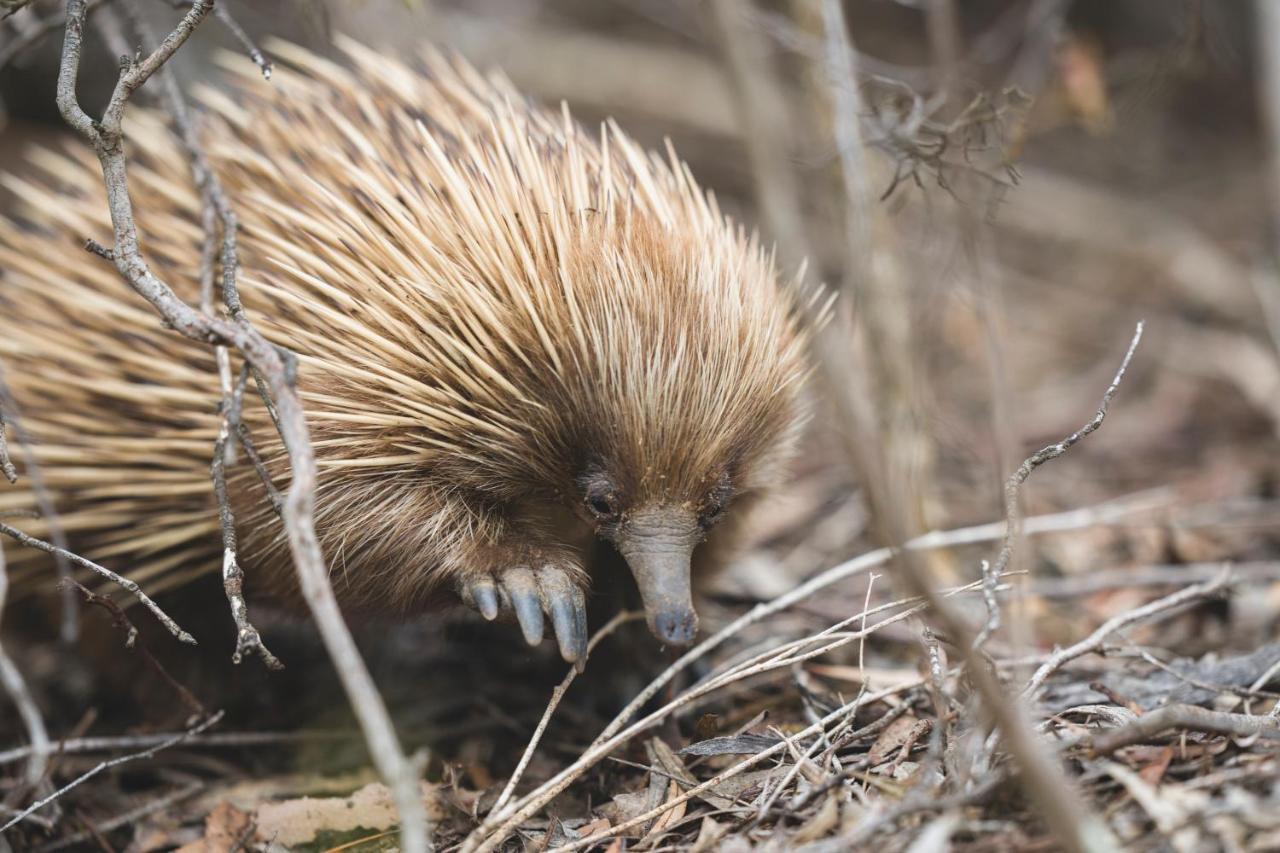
[
  {"x": 891, "y": 739},
  {"x": 822, "y": 823},
  {"x": 1152, "y": 773},
  {"x": 226, "y": 828},
  {"x": 670, "y": 816},
  {"x": 709, "y": 835},
  {"x": 732, "y": 745},
  {"x": 294, "y": 822}
]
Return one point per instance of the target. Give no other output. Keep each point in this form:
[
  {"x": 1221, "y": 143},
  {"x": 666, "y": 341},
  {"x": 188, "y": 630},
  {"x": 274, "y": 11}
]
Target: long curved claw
[
  {"x": 483, "y": 595},
  {"x": 567, "y": 607},
  {"x": 522, "y": 589}
]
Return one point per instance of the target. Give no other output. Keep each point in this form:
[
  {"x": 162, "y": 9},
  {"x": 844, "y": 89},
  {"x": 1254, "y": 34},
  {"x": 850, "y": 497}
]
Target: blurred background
[{"x": 997, "y": 190}]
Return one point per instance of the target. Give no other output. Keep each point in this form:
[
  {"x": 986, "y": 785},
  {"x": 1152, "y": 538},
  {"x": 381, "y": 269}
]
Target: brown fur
[{"x": 486, "y": 304}]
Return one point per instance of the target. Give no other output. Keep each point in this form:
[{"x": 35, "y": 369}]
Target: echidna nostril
[{"x": 676, "y": 627}]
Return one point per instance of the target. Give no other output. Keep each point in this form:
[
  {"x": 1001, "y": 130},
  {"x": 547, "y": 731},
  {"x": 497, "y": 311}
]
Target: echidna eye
[{"x": 602, "y": 505}]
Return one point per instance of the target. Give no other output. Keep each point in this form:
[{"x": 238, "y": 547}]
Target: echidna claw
[
  {"x": 522, "y": 590},
  {"x": 484, "y": 596},
  {"x": 528, "y": 595}
]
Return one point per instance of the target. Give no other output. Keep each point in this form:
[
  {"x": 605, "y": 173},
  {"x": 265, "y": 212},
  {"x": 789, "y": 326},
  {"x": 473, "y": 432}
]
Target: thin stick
[
  {"x": 1162, "y": 607},
  {"x": 1053, "y": 451},
  {"x": 106, "y": 765},
  {"x": 989, "y": 580},
  {"x": 122, "y": 621},
  {"x": 248, "y": 639},
  {"x": 123, "y": 582},
  {"x": 16, "y": 686},
  {"x": 556, "y": 695},
  {"x": 130, "y": 817},
  {"x": 79, "y": 746}
]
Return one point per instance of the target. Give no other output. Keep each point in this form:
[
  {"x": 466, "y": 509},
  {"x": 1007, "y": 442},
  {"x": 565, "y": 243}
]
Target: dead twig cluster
[{"x": 272, "y": 368}]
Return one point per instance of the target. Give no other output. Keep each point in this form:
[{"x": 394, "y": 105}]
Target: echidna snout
[{"x": 657, "y": 543}]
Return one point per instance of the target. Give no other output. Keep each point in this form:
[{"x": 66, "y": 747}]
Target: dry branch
[
  {"x": 107, "y": 138},
  {"x": 1163, "y": 607},
  {"x": 1190, "y": 717},
  {"x": 121, "y": 620}
]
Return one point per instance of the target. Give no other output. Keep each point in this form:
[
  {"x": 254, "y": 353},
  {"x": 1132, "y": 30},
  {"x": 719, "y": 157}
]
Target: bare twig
[
  {"x": 81, "y": 745},
  {"x": 7, "y": 467},
  {"x": 16, "y": 686},
  {"x": 106, "y": 765},
  {"x": 276, "y": 370},
  {"x": 121, "y": 620},
  {"x": 990, "y": 578},
  {"x": 1162, "y": 607},
  {"x": 248, "y": 640},
  {"x": 1053, "y": 451},
  {"x": 1191, "y": 717},
  {"x": 37, "y": 32},
  {"x": 237, "y": 32},
  {"x": 556, "y": 695},
  {"x": 123, "y": 582}
]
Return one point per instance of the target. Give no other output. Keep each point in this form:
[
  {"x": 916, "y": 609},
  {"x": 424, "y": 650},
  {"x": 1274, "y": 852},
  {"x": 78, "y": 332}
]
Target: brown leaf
[
  {"x": 892, "y": 738},
  {"x": 709, "y": 835},
  {"x": 226, "y": 828},
  {"x": 298, "y": 821},
  {"x": 827, "y": 819},
  {"x": 669, "y": 817},
  {"x": 600, "y": 824},
  {"x": 1153, "y": 772}
]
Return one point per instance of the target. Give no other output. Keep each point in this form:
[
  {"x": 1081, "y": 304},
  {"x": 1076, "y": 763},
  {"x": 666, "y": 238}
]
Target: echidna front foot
[{"x": 530, "y": 595}]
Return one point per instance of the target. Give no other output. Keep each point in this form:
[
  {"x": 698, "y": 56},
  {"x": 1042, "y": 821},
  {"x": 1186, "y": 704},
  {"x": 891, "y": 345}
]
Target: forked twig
[
  {"x": 1162, "y": 607},
  {"x": 123, "y": 582},
  {"x": 277, "y": 373}
]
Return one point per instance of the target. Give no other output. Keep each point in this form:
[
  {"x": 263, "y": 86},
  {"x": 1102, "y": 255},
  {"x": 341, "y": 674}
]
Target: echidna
[{"x": 512, "y": 337}]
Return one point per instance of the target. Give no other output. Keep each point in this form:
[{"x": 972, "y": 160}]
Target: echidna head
[
  {"x": 679, "y": 395},
  {"x": 656, "y": 535}
]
